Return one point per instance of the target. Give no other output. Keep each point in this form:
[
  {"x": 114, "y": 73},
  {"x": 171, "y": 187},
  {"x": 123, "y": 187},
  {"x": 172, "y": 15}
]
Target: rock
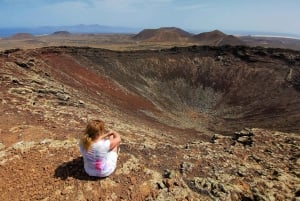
[
  {"x": 161, "y": 185},
  {"x": 242, "y": 171},
  {"x": 217, "y": 137},
  {"x": 209, "y": 187},
  {"x": 259, "y": 197},
  {"x": 21, "y": 64},
  {"x": 16, "y": 81},
  {"x": 23, "y": 145},
  {"x": 45, "y": 141},
  {"x": 62, "y": 96},
  {"x": 182, "y": 168},
  {"x": 167, "y": 173},
  {"x": 21, "y": 91},
  {"x": 185, "y": 166},
  {"x": 244, "y": 137},
  {"x": 169, "y": 183},
  {"x": 214, "y": 138}
]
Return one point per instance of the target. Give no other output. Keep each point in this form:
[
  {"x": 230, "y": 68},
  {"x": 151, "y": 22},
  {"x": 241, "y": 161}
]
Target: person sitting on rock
[{"x": 99, "y": 149}]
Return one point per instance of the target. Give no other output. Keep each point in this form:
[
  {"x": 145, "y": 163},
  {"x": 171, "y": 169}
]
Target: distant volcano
[
  {"x": 22, "y": 36},
  {"x": 166, "y": 34},
  {"x": 61, "y": 33},
  {"x": 216, "y": 38},
  {"x": 173, "y": 34}
]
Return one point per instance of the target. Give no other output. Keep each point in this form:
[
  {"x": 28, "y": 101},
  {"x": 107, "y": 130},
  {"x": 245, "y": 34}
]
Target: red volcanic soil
[{"x": 71, "y": 73}]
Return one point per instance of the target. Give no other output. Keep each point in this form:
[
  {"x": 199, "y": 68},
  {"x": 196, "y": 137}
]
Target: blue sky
[{"x": 205, "y": 15}]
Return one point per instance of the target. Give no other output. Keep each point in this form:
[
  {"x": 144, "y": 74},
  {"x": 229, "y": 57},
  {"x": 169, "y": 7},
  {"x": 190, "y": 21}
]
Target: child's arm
[{"x": 115, "y": 139}]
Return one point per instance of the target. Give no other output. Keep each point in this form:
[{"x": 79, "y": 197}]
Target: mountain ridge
[{"x": 145, "y": 39}]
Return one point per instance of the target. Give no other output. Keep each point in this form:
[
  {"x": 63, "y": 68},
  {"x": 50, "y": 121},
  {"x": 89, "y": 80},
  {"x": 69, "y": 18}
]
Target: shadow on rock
[{"x": 73, "y": 169}]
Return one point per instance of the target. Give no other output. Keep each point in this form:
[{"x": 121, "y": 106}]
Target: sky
[{"x": 280, "y": 16}]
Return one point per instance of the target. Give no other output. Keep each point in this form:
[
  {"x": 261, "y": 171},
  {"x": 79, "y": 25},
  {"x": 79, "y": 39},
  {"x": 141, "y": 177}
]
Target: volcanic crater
[
  {"x": 228, "y": 88},
  {"x": 180, "y": 112}
]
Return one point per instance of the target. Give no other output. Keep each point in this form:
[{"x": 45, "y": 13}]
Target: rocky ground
[
  {"x": 46, "y": 100},
  {"x": 223, "y": 169}
]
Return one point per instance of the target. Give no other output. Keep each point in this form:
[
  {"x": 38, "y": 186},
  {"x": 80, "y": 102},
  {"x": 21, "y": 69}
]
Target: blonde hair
[{"x": 93, "y": 129}]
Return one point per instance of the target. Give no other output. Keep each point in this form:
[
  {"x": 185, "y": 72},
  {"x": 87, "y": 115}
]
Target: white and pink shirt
[{"x": 99, "y": 161}]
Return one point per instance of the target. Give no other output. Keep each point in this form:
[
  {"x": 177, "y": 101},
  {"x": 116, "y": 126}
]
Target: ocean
[{"x": 7, "y": 32}]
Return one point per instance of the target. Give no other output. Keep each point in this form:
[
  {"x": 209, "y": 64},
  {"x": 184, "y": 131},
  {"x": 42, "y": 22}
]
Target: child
[{"x": 99, "y": 150}]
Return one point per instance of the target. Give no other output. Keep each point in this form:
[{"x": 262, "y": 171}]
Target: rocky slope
[
  {"x": 223, "y": 86},
  {"x": 181, "y": 114}
]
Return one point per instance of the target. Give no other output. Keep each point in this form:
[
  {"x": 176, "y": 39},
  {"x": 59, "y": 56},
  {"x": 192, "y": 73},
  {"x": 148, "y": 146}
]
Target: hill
[
  {"x": 61, "y": 33},
  {"x": 181, "y": 112},
  {"x": 216, "y": 38},
  {"x": 20, "y": 36},
  {"x": 146, "y": 39},
  {"x": 173, "y": 35},
  {"x": 167, "y": 34}
]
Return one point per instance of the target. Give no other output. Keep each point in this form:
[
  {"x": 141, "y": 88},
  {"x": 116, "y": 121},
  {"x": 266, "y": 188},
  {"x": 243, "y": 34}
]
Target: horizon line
[{"x": 191, "y": 30}]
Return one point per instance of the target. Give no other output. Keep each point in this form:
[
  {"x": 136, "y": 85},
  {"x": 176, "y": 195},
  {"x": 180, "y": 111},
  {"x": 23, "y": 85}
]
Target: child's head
[
  {"x": 94, "y": 128},
  {"x": 92, "y": 132}
]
